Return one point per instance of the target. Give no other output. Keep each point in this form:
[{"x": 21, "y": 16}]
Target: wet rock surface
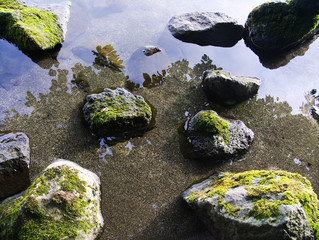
[
  {"x": 62, "y": 10},
  {"x": 278, "y": 26},
  {"x": 63, "y": 202},
  {"x": 14, "y": 163},
  {"x": 226, "y": 89},
  {"x": 216, "y": 138},
  {"x": 206, "y": 28},
  {"x": 116, "y": 111},
  {"x": 29, "y": 28},
  {"x": 259, "y": 205}
]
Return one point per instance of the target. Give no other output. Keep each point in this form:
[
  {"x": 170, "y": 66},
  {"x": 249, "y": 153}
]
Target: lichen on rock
[
  {"x": 279, "y": 204},
  {"x": 29, "y": 28},
  {"x": 116, "y": 111},
  {"x": 63, "y": 202},
  {"x": 214, "y": 138}
]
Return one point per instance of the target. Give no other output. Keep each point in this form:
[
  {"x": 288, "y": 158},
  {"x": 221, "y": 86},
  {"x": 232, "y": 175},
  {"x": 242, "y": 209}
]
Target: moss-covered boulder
[
  {"x": 214, "y": 138},
  {"x": 280, "y": 25},
  {"x": 29, "y": 28},
  {"x": 63, "y": 202},
  {"x": 256, "y": 205},
  {"x": 226, "y": 89},
  {"x": 116, "y": 111}
]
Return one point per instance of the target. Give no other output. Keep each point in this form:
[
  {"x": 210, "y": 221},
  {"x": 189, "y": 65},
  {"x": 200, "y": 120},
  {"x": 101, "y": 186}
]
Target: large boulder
[
  {"x": 206, "y": 28},
  {"x": 29, "y": 28},
  {"x": 63, "y": 202},
  {"x": 116, "y": 111},
  {"x": 279, "y": 25},
  {"x": 213, "y": 137},
  {"x": 14, "y": 163},
  {"x": 226, "y": 89},
  {"x": 256, "y": 205}
]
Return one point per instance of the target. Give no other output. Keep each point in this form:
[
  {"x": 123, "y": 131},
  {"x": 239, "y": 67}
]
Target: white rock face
[
  {"x": 14, "y": 163},
  {"x": 64, "y": 201}
]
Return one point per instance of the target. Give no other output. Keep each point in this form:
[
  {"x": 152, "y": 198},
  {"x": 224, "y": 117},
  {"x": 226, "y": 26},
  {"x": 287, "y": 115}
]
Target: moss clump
[
  {"x": 260, "y": 186},
  {"x": 28, "y": 217},
  {"x": 115, "y": 115},
  {"x": 282, "y": 23},
  {"x": 208, "y": 121},
  {"x": 29, "y": 28}
]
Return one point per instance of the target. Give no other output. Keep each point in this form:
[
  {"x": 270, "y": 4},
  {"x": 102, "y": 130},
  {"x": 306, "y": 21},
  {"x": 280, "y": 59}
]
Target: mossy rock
[
  {"x": 214, "y": 138},
  {"x": 257, "y": 205},
  {"x": 29, "y": 28},
  {"x": 280, "y": 25},
  {"x": 116, "y": 111},
  {"x": 63, "y": 202}
]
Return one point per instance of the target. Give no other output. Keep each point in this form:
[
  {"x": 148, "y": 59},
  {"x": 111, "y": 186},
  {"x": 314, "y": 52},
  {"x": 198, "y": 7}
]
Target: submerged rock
[
  {"x": 14, "y": 163},
  {"x": 280, "y": 25},
  {"x": 116, "y": 111},
  {"x": 63, "y": 202},
  {"x": 29, "y": 28},
  {"x": 223, "y": 88},
  {"x": 213, "y": 137},
  {"x": 206, "y": 28},
  {"x": 256, "y": 205}
]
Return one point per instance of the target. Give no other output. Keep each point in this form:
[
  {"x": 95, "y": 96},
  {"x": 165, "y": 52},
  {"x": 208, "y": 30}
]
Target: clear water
[{"x": 142, "y": 178}]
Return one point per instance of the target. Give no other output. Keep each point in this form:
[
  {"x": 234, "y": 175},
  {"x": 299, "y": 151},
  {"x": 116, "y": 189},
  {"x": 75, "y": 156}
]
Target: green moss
[
  {"x": 115, "y": 115},
  {"x": 28, "y": 28},
  {"x": 208, "y": 121},
  {"x": 282, "y": 23},
  {"x": 294, "y": 189},
  {"x": 25, "y": 218}
]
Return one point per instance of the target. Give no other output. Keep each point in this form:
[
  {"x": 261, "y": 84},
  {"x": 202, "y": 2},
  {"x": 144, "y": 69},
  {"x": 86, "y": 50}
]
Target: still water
[{"x": 142, "y": 178}]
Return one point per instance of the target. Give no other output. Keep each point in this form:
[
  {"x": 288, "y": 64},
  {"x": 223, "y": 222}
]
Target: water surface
[{"x": 143, "y": 177}]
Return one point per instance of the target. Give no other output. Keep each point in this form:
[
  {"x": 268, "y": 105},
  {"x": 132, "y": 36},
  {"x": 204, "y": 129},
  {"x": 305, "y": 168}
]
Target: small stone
[
  {"x": 14, "y": 163},
  {"x": 214, "y": 138},
  {"x": 63, "y": 202},
  {"x": 206, "y": 28},
  {"x": 116, "y": 111},
  {"x": 225, "y": 89},
  {"x": 256, "y": 205},
  {"x": 151, "y": 50}
]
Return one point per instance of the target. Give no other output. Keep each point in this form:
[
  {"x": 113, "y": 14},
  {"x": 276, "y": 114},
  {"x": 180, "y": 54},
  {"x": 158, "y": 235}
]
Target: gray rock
[
  {"x": 61, "y": 9},
  {"x": 234, "y": 207},
  {"x": 223, "y": 88},
  {"x": 150, "y": 50},
  {"x": 206, "y": 28},
  {"x": 116, "y": 111},
  {"x": 207, "y": 145},
  {"x": 14, "y": 163},
  {"x": 63, "y": 202},
  {"x": 277, "y": 26}
]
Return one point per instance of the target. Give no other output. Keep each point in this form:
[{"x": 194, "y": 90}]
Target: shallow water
[{"x": 142, "y": 177}]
